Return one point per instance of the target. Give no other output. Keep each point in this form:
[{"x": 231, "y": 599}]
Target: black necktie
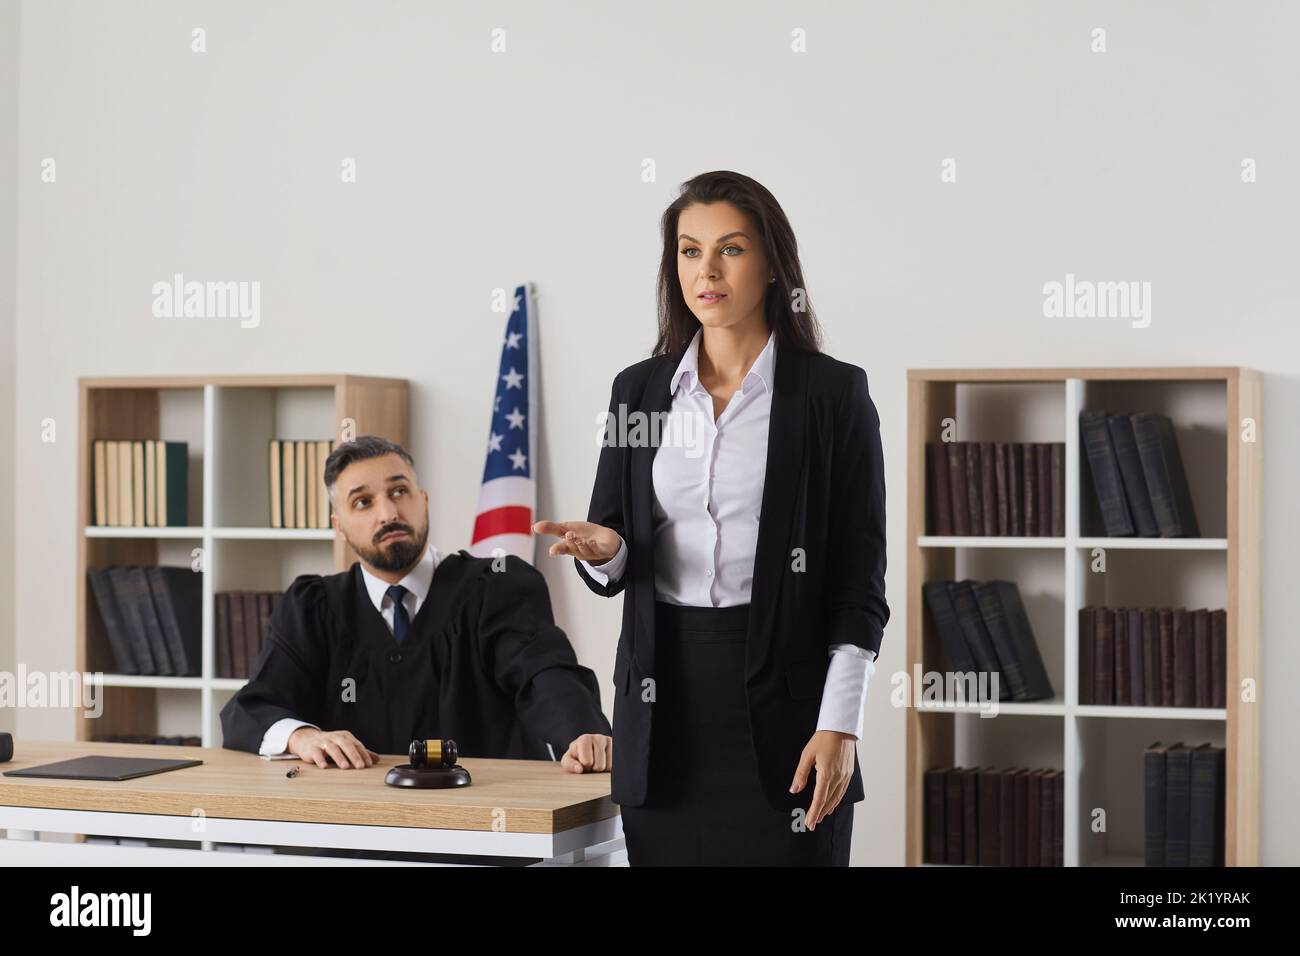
[{"x": 401, "y": 620}]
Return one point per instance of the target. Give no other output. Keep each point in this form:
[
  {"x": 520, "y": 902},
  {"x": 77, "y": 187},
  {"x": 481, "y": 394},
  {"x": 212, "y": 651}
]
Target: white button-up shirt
[
  {"x": 417, "y": 583},
  {"x": 708, "y": 480}
]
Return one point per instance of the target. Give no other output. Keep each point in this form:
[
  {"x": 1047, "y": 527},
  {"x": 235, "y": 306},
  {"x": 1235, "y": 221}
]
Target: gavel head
[{"x": 433, "y": 753}]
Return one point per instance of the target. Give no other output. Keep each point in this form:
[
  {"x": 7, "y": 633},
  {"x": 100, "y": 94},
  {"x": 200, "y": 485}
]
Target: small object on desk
[
  {"x": 293, "y": 772},
  {"x": 103, "y": 768},
  {"x": 6, "y": 747}
]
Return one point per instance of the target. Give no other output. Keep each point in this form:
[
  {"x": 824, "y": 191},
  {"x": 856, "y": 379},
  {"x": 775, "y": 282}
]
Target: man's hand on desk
[
  {"x": 320, "y": 746},
  {"x": 590, "y": 753}
]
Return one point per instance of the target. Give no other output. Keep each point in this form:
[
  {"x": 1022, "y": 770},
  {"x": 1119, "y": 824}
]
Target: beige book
[
  {"x": 160, "y": 478},
  {"x": 101, "y": 484},
  {"x": 289, "y": 485},
  {"x": 124, "y": 497},
  {"x": 150, "y": 483},
  {"x": 137, "y": 482},
  {"x": 323, "y": 496},
  {"x": 275, "y": 483},
  {"x": 110, "y": 466},
  {"x": 300, "y": 495},
  {"x": 309, "y": 453}
]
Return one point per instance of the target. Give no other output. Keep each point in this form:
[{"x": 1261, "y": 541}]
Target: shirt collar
[
  {"x": 759, "y": 372},
  {"x": 417, "y": 581}
]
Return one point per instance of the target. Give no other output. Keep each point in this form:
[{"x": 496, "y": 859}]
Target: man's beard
[{"x": 398, "y": 555}]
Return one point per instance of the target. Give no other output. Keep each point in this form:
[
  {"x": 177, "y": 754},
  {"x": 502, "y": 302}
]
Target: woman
[{"x": 745, "y": 522}]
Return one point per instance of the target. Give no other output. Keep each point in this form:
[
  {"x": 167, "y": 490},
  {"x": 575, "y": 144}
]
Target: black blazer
[{"x": 824, "y": 493}]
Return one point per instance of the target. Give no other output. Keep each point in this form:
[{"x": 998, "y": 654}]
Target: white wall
[
  {"x": 479, "y": 170},
  {"x": 8, "y": 324}
]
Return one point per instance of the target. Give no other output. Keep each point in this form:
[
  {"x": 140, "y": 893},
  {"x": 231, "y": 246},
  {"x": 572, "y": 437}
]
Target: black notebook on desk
[{"x": 103, "y": 768}]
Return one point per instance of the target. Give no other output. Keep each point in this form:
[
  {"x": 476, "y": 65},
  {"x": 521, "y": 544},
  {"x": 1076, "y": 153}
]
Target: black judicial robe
[{"x": 482, "y": 664}]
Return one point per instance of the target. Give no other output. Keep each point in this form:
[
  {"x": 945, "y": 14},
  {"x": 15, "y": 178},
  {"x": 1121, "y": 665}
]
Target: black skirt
[{"x": 704, "y": 803}]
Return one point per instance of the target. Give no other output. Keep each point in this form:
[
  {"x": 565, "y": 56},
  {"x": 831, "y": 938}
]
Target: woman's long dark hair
[{"x": 677, "y": 324}]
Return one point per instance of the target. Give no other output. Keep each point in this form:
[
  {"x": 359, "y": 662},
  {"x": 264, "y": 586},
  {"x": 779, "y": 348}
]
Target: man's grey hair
[{"x": 360, "y": 449}]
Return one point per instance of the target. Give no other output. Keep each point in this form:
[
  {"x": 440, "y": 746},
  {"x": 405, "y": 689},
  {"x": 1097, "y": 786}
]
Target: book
[
  {"x": 1162, "y": 465},
  {"x": 173, "y": 483},
  {"x": 978, "y": 640},
  {"x": 1019, "y": 662},
  {"x": 1103, "y": 466},
  {"x": 957, "y": 488},
  {"x": 124, "y": 594},
  {"x": 142, "y": 595},
  {"x": 274, "y": 492},
  {"x": 1086, "y": 642},
  {"x": 101, "y": 483},
  {"x": 943, "y": 614},
  {"x": 1154, "y": 807},
  {"x": 1131, "y": 476},
  {"x": 111, "y": 618},
  {"x": 1015, "y": 483},
  {"x": 974, "y": 497},
  {"x": 1206, "y": 807},
  {"x": 1177, "y": 804},
  {"x": 178, "y": 598}
]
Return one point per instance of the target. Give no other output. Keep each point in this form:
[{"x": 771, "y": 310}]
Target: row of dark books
[
  {"x": 985, "y": 630},
  {"x": 142, "y": 484},
  {"x": 296, "y": 471},
  {"x": 153, "y": 618},
  {"x": 996, "y": 488},
  {"x": 176, "y": 740},
  {"x": 243, "y": 625},
  {"x": 1137, "y": 475},
  {"x": 984, "y": 816},
  {"x": 1153, "y": 657},
  {"x": 1184, "y": 805}
]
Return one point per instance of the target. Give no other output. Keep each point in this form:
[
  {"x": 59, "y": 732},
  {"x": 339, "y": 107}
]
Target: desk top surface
[{"x": 517, "y": 796}]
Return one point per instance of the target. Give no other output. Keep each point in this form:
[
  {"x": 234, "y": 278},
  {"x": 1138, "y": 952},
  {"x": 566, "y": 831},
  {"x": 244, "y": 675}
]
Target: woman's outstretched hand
[{"x": 581, "y": 539}]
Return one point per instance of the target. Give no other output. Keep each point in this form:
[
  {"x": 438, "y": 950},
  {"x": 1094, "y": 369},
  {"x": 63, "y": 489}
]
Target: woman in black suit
[{"x": 739, "y": 504}]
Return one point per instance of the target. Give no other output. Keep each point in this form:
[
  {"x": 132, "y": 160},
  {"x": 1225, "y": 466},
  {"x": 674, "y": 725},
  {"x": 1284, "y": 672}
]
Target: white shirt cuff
[
  {"x": 612, "y": 569},
  {"x": 276, "y": 739},
  {"x": 844, "y": 696}
]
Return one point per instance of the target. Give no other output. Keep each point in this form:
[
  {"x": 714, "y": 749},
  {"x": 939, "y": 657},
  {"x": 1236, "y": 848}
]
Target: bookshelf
[
  {"x": 227, "y": 422},
  {"x": 1098, "y": 748}
]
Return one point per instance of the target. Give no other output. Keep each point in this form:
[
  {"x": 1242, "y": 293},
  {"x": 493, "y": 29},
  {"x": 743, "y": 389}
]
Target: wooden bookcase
[
  {"x": 227, "y": 422},
  {"x": 1098, "y": 748}
]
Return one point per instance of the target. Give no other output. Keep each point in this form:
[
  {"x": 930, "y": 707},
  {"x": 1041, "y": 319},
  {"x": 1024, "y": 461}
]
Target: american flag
[{"x": 508, "y": 496}]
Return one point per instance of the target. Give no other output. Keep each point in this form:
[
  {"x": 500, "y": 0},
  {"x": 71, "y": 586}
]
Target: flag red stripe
[{"x": 512, "y": 519}]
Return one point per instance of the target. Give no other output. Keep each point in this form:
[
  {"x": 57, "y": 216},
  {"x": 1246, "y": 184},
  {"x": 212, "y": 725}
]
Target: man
[{"x": 413, "y": 644}]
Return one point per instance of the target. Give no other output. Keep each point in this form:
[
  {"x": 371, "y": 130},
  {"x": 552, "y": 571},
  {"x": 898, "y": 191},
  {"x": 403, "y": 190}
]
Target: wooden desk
[{"x": 514, "y": 808}]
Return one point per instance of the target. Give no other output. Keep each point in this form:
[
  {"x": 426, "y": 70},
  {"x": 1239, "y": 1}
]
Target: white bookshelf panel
[
  {"x": 245, "y": 421},
  {"x": 1199, "y": 412},
  {"x": 983, "y": 541},
  {"x": 189, "y": 531},
  {"x": 1113, "y": 780},
  {"x": 1155, "y": 544}
]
